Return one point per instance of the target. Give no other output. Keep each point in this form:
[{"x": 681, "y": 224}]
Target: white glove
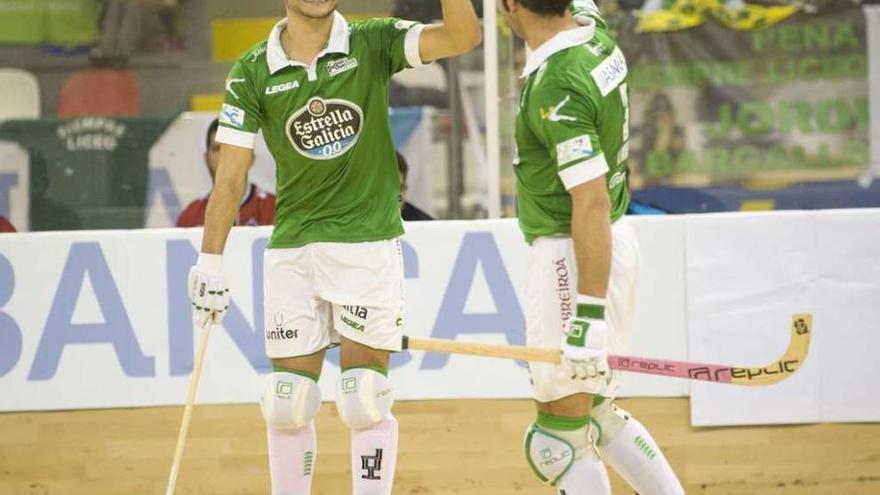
[
  {"x": 584, "y": 347},
  {"x": 208, "y": 290}
]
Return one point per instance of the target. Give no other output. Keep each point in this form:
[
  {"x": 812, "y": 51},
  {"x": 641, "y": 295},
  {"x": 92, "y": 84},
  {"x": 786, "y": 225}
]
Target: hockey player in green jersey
[
  {"x": 572, "y": 135},
  {"x": 317, "y": 89}
]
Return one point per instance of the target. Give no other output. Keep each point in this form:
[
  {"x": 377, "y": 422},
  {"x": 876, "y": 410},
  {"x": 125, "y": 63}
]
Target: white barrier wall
[{"x": 101, "y": 319}]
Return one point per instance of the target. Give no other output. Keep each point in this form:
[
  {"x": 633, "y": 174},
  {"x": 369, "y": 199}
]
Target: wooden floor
[{"x": 447, "y": 447}]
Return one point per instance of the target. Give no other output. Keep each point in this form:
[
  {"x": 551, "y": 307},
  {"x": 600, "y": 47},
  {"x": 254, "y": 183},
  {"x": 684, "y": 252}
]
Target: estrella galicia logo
[{"x": 325, "y": 129}]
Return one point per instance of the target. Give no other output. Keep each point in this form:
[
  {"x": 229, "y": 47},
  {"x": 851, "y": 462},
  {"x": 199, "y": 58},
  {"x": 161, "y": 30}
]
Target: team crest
[{"x": 325, "y": 129}]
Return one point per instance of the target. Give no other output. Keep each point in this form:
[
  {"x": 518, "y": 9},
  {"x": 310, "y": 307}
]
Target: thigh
[
  {"x": 363, "y": 282},
  {"x": 354, "y": 355},
  {"x": 296, "y": 319},
  {"x": 551, "y": 288}
]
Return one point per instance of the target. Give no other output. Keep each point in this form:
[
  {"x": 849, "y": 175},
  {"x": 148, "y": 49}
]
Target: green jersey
[
  {"x": 572, "y": 126},
  {"x": 326, "y": 126}
]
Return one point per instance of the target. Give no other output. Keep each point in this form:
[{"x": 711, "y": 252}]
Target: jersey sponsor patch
[
  {"x": 574, "y": 149},
  {"x": 404, "y": 25},
  {"x": 342, "y": 65},
  {"x": 611, "y": 72},
  {"x": 325, "y": 129},
  {"x": 229, "y": 86},
  {"x": 233, "y": 116},
  {"x": 282, "y": 88},
  {"x": 552, "y": 114}
]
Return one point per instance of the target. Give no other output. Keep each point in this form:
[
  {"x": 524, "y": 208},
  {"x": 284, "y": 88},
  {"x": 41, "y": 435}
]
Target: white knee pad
[
  {"x": 552, "y": 452},
  {"x": 363, "y": 398},
  {"x": 609, "y": 420},
  {"x": 290, "y": 401}
]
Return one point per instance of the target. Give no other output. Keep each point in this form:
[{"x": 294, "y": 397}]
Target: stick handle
[
  {"x": 533, "y": 354},
  {"x": 187, "y": 411}
]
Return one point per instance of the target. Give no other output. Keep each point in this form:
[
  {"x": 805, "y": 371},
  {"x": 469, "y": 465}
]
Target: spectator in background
[
  {"x": 257, "y": 206},
  {"x": 5, "y": 226},
  {"x": 408, "y": 212},
  {"x": 663, "y": 137},
  {"x": 128, "y": 26}
]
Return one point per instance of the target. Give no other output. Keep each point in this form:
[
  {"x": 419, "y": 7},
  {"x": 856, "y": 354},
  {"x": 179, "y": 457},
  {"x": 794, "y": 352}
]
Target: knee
[
  {"x": 609, "y": 421},
  {"x": 551, "y": 451},
  {"x": 363, "y": 398},
  {"x": 290, "y": 401}
]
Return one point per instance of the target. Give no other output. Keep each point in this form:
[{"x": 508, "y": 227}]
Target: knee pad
[
  {"x": 609, "y": 421},
  {"x": 552, "y": 452},
  {"x": 363, "y": 397},
  {"x": 290, "y": 401}
]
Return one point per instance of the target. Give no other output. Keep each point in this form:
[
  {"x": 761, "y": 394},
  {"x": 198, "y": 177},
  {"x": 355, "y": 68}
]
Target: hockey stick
[
  {"x": 187, "y": 411},
  {"x": 775, "y": 372}
]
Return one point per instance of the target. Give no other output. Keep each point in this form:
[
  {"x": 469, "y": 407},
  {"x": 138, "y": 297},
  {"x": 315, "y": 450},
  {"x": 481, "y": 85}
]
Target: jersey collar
[
  {"x": 277, "y": 59},
  {"x": 562, "y": 40}
]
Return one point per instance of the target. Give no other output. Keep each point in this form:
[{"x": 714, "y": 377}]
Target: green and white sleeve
[
  {"x": 400, "y": 43},
  {"x": 241, "y": 115},
  {"x": 565, "y": 121}
]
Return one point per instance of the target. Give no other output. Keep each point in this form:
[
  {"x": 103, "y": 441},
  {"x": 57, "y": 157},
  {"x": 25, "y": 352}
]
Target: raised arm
[{"x": 460, "y": 32}]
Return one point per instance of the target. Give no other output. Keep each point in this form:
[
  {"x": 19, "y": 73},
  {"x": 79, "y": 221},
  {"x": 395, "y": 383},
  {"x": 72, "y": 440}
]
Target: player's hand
[
  {"x": 584, "y": 348},
  {"x": 208, "y": 290}
]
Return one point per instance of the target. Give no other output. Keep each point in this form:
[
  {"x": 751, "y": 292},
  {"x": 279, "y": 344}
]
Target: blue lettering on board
[
  {"x": 10, "y": 333},
  {"x": 477, "y": 249},
  {"x": 87, "y": 259}
]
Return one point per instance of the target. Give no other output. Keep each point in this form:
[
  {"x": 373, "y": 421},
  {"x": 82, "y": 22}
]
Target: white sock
[
  {"x": 635, "y": 456},
  {"x": 292, "y": 456},
  {"x": 373, "y": 458},
  {"x": 587, "y": 476}
]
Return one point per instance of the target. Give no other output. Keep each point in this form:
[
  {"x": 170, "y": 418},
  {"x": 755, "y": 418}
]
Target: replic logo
[
  {"x": 549, "y": 458},
  {"x": 325, "y": 129},
  {"x": 280, "y": 333}
]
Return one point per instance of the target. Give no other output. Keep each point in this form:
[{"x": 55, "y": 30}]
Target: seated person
[
  {"x": 257, "y": 205},
  {"x": 407, "y": 211},
  {"x": 5, "y": 226}
]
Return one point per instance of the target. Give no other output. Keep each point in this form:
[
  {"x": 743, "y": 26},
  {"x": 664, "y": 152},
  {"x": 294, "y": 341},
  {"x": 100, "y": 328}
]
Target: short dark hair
[
  {"x": 401, "y": 164},
  {"x": 545, "y": 8},
  {"x": 212, "y": 129}
]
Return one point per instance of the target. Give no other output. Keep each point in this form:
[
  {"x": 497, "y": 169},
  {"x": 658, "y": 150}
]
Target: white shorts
[
  {"x": 551, "y": 292},
  {"x": 320, "y": 291}
]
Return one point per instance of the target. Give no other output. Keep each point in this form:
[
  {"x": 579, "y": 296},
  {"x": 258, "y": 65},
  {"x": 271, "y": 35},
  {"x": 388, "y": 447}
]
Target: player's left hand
[{"x": 584, "y": 352}]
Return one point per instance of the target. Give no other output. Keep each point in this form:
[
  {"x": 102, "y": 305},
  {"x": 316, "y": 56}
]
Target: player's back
[
  {"x": 600, "y": 70},
  {"x": 573, "y": 123}
]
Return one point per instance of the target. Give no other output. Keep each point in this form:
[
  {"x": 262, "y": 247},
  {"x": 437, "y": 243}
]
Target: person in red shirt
[
  {"x": 5, "y": 226},
  {"x": 257, "y": 205}
]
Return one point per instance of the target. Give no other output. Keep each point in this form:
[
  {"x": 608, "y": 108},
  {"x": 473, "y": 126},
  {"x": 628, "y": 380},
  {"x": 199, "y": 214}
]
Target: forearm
[
  {"x": 461, "y": 22},
  {"x": 591, "y": 233},
  {"x": 459, "y": 32},
  {"x": 222, "y": 209}
]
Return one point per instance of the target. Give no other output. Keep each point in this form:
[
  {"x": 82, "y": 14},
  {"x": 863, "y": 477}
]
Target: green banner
[
  {"x": 87, "y": 173},
  {"x": 61, "y": 22},
  {"x": 713, "y": 104}
]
